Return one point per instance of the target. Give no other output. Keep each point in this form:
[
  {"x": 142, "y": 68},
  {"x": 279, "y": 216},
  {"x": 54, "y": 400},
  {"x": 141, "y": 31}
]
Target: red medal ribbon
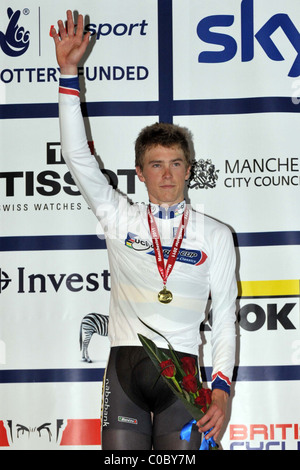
[{"x": 165, "y": 271}]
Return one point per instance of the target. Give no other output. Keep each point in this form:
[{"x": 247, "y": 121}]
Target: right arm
[{"x": 70, "y": 45}]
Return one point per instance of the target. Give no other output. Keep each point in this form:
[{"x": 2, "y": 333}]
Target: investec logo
[
  {"x": 38, "y": 283},
  {"x": 249, "y": 36}
]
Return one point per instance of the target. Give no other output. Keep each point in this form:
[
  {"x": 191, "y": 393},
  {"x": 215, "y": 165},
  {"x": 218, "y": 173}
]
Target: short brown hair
[{"x": 165, "y": 134}]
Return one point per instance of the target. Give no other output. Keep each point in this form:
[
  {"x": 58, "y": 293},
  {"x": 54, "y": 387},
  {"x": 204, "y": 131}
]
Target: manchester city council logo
[{"x": 203, "y": 175}]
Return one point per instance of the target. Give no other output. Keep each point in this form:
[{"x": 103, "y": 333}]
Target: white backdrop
[{"x": 230, "y": 73}]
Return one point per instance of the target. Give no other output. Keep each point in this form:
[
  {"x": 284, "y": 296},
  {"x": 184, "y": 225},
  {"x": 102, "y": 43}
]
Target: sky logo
[
  {"x": 15, "y": 41},
  {"x": 248, "y": 37}
]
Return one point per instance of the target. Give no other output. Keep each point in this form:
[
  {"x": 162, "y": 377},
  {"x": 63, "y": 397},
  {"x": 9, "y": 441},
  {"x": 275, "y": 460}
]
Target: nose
[{"x": 167, "y": 172}]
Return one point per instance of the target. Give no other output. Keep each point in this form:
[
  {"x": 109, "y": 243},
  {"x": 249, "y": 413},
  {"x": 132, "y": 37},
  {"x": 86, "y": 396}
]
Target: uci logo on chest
[{"x": 136, "y": 243}]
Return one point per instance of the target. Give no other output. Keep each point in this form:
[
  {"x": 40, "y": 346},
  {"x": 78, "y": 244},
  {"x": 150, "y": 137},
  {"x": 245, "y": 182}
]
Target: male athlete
[{"x": 170, "y": 295}]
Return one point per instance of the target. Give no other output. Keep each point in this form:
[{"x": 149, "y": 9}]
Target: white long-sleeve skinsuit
[{"x": 205, "y": 265}]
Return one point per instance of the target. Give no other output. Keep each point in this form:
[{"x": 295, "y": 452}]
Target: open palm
[{"x": 70, "y": 44}]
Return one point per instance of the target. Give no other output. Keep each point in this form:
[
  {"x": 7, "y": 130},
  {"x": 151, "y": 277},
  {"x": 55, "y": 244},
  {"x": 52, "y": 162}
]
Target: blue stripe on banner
[
  {"x": 165, "y": 59},
  {"x": 29, "y": 111},
  {"x": 51, "y": 375},
  {"x": 92, "y": 242},
  {"x": 125, "y": 108},
  {"x": 235, "y": 106},
  {"x": 52, "y": 242},
  {"x": 259, "y": 373},
  {"x": 109, "y": 108},
  {"x": 165, "y": 108},
  {"x": 241, "y": 374},
  {"x": 266, "y": 239},
  {"x": 267, "y": 373}
]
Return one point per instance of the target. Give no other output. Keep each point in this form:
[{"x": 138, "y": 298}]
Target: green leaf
[
  {"x": 157, "y": 332},
  {"x": 180, "y": 372},
  {"x": 157, "y": 356},
  {"x": 153, "y": 351}
]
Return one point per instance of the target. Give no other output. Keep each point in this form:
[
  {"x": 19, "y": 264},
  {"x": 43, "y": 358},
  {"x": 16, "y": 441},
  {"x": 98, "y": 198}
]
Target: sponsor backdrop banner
[{"x": 228, "y": 71}]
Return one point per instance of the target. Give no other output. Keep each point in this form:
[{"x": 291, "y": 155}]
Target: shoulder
[{"x": 211, "y": 226}]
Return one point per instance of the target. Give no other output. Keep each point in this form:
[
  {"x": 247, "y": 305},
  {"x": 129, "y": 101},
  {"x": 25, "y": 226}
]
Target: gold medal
[{"x": 165, "y": 296}]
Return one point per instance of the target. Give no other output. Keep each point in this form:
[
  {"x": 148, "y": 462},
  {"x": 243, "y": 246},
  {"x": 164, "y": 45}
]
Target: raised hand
[{"x": 70, "y": 44}]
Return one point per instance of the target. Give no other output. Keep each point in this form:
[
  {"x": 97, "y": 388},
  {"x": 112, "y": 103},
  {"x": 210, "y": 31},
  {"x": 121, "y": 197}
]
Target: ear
[
  {"x": 139, "y": 173},
  {"x": 188, "y": 173}
]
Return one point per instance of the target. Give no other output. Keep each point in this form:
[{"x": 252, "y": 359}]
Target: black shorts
[{"x": 135, "y": 398}]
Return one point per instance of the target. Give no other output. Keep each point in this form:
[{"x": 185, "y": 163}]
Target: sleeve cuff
[
  {"x": 69, "y": 86},
  {"x": 221, "y": 382}
]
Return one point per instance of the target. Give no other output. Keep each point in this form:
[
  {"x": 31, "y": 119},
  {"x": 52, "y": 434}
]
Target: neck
[{"x": 166, "y": 210}]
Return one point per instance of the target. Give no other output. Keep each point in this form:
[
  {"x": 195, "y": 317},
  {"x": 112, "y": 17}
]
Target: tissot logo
[{"x": 53, "y": 181}]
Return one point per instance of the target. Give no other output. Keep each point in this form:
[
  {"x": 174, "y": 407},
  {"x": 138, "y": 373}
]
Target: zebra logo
[{"x": 90, "y": 324}]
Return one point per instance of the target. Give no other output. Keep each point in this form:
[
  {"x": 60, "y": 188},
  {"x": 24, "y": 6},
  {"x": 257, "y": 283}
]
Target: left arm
[{"x": 223, "y": 293}]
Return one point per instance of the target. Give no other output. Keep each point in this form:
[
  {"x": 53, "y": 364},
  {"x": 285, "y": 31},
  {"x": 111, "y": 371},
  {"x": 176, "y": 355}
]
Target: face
[{"x": 164, "y": 173}]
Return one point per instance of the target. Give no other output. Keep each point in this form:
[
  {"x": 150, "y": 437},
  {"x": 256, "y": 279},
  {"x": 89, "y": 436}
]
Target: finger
[
  {"x": 80, "y": 25},
  {"x": 206, "y": 418},
  {"x": 207, "y": 426},
  {"x": 86, "y": 39},
  {"x": 213, "y": 425},
  {"x": 70, "y": 23},
  {"x": 215, "y": 431},
  {"x": 54, "y": 35},
  {"x": 209, "y": 420},
  {"x": 61, "y": 29}
]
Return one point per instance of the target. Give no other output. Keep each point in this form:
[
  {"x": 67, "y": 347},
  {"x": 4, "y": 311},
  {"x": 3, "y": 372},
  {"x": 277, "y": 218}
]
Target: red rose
[
  {"x": 207, "y": 394},
  {"x": 168, "y": 368},
  {"x": 189, "y": 383},
  {"x": 189, "y": 365},
  {"x": 204, "y": 399},
  {"x": 201, "y": 402}
]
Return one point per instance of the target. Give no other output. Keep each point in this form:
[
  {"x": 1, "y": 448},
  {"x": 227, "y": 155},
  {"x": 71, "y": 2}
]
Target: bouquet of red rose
[{"x": 180, "y": 374}]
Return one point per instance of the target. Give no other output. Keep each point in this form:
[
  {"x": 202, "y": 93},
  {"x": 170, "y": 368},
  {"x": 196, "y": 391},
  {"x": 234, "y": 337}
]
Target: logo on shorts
[
  {"x": 124, "y": 419},
  {"x": 105, "y": 403}
]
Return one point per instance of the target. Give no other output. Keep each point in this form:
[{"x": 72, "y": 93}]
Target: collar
[{"x": 167, "y": 212}]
